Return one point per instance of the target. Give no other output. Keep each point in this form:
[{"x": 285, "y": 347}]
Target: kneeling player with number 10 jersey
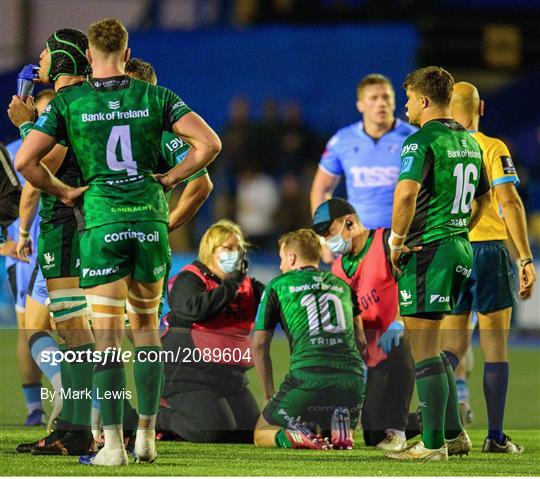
[{"x": 320, "y": 315}]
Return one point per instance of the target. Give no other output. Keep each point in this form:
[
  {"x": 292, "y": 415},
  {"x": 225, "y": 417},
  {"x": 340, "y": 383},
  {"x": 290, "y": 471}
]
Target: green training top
[
  {"x": 316, "y": 310},
  {"x": 114, "y": 128},
  {"x": 447, "y": 161}
]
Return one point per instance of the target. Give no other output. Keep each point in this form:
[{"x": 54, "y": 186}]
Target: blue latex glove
[{"x": 391, "y": 337}]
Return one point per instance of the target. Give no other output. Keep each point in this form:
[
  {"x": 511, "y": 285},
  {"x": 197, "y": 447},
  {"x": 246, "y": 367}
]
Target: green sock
[
  {"x": 110, "y": 387},
  {"x": 65, "y": 375},
  {"x": 82, "y": 382},
  {"x": 432, "y": 386},
  {"x": 281, "y": 440},
  {"x": 148, "y": 376},
  {"x": 452, "y": 419}
]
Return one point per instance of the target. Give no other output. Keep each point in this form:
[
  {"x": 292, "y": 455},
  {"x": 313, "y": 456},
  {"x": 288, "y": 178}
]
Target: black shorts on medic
[{"x": 492, "y": 284}]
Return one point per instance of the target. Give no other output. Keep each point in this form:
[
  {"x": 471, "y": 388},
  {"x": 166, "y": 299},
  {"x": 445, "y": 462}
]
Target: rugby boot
[
  {"x": 107, "y": 456},
  {"x": 460, "y": 445},
  {"x": 47, "y": 440},
  {"x": 145, "y": 446},
  {"x": 74, "y": 443},
  {"x": 507, "y": 447},
  {"x": 418, "y": 452},
  {"x": 341, "y": 435},
  {"x": 392, "y": 442},
  {"x": 35, "y": 418},
  {"x": 301, "y": 437}
]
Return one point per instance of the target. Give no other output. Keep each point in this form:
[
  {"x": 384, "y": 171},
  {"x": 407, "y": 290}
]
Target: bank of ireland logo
[
  {"x": 114, "y": 105},
  {"x": 464, "y": 143}
]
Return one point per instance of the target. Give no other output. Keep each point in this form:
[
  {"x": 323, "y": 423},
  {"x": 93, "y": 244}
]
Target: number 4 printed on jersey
[{"x": 121, "y": 135}]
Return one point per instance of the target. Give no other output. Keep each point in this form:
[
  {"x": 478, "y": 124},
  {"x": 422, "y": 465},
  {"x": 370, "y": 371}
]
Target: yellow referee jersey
[{"x": 500, "y": 169}]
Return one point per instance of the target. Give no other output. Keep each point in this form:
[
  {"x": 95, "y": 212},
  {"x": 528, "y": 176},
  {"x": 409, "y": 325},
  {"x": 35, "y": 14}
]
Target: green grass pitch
[{"x": 180, "y": 458}]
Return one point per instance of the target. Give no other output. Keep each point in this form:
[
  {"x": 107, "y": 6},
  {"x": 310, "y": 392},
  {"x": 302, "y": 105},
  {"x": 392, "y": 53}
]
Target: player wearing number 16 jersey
[
  {"x": 320, "y": 315},
  {"x": 114, "y": 124},
  {"x": 440, "y": 194}
]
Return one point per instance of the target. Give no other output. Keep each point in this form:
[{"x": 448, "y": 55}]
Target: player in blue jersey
[
  {"x": 30, "y": 295},
  {"x": 367, "y": 153}
]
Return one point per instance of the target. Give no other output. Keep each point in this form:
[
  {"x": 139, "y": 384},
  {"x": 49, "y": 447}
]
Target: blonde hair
[
  {"x": 215, "y": 236},
  {"x": 108, "y": 36},
  {"x": 372, "y": 79},
  {"x": 305, "y": 242}
]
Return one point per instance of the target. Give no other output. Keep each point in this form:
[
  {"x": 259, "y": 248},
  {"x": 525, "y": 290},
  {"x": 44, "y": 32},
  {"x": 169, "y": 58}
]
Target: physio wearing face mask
[
  {"x": 337, "y": 244},
  {"x": 229, "y": 261},
  {"x": 213, "y": 304}
]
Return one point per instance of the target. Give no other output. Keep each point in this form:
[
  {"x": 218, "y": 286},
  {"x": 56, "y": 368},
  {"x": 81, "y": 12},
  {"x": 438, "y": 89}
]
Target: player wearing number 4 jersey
[
  {"x": 114, "y": 125},
  {"x": 440, "y": 195},
  {"x": 320, "y": 315}
]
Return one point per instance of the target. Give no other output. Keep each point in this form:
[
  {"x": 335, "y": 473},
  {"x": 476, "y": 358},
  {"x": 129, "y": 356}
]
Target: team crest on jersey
[
  {"x": 49, "y": 260},
  {"x": 508, "y": 165},
  {"x": 406, "y": 164},
  {"x": 114, "y": 105}
]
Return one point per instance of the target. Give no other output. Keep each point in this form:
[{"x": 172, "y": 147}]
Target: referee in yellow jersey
[{"x": 490, "y": 291}]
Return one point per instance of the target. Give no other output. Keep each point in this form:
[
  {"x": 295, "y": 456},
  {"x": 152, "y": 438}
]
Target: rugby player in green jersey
[
  {"x": 173, "y": 151},
  {"x": 114, "y": 124},
  {"x": 63, "y": 63},
  {"x": 441, "y": 192},
  {"x": 320, "y": 315}
]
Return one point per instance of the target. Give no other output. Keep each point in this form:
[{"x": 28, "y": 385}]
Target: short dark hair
[
  {"x": 141, "y": 70},
  {"x": 434, "y": 82},
  {"x": 372, "y": 79}
]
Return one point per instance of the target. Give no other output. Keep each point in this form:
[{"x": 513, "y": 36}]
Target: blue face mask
[
  {"x": 228, "y": 261},
  {"x": 336, "y": 244}
]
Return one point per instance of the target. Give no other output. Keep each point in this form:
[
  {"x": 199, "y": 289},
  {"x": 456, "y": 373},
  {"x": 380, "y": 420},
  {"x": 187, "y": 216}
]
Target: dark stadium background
[{"x": 296, "y": 63}]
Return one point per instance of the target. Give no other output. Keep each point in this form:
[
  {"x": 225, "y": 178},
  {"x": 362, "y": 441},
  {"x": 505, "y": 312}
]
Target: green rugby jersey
[
  {"x": 114, "y": 128},
  {"x": 173, "y": 152},
  {"x": 447, "y": 161},
  {"x": 52, "y": 211},
  {"x": 316, "y": 310}
]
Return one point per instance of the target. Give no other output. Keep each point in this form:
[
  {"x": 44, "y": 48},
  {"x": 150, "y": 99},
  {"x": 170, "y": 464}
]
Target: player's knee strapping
[
  {"x": 67, "y": 303},
  {"x": 104, "y": 307},
  {"x": 137, "y": 305}
]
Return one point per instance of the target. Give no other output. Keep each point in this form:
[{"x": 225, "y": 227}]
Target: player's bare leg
[
  {"x": 456, "y": 335},
  {"x": 142, "y": 307},
  {"x": 107, "y": 304}
]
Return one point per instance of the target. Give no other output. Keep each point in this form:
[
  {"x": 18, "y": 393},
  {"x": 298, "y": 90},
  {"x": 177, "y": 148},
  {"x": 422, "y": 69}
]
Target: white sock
[{"x": 114, "y": 436}]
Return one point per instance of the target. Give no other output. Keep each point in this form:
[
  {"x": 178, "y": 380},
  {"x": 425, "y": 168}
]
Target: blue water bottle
[{"x": 25, "y": 81}]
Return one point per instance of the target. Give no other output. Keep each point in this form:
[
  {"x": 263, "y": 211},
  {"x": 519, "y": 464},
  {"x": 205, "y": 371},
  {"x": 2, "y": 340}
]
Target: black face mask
[{"x": 67, "y": 48}]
